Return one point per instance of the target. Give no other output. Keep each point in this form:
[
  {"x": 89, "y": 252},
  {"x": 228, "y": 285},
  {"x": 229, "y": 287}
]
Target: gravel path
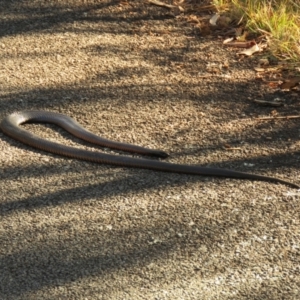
[{"x": 136, "y": 73}]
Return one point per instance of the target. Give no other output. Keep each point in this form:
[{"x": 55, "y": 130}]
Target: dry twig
[
  {"x": 268, "y": 103},
  {"x": 162, "y": 4},
  {"x": 280, "y": 117}
]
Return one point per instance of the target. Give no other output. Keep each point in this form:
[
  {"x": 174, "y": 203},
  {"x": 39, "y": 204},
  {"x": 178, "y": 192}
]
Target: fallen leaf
[
  {"x": 251, "y": 50},
  {"x": 213, "y": 20},
  {"x": 290, "y": 83},
  {"x": 228, "y": 40},
  {"x": 240, "y": 44},
  {"x": 259, "y": 69},
  {"x": 193, "y": 19},
  {"x": 263, "y": 62},
  {"x": 273, "y": 84},
  {"x": 123, "y": 3},
  {"x": 225, "y": 64},
  {"x": 242, "y": 35}
]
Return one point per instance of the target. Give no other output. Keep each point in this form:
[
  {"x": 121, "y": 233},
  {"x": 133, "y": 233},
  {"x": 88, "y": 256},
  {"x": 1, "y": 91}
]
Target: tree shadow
[
  {"x": 38, "y": 264},
  {"x": 53, "y": 262},
  {"x": 41, "y": 17},
  {"x": 50, "y": 262}
]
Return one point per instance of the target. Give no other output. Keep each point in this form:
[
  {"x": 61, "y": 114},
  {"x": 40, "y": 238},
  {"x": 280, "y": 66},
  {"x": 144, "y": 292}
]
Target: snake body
[{"x": 11, "y": 127}]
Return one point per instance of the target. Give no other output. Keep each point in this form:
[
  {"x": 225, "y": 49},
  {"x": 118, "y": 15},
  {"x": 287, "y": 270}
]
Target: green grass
[{"x": 277, "y": 19}]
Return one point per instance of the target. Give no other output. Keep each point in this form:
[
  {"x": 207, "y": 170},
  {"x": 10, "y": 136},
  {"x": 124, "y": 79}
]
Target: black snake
[{"x": 11, "y": 127}]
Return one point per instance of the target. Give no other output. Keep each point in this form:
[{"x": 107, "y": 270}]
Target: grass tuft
[{"x": 278, "y": 19}]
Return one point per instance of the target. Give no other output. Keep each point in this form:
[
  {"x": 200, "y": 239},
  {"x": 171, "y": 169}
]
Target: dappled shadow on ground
[
  {"x": 60, "y": 228},
  {"x": 77, "y": 248},
  {"x": 44, "y": 264},
  {"x": 33, "y": 16}
]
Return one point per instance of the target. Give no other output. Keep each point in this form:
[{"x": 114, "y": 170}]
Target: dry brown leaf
[
  {"x": 193, "y": 19},
  {"x": 251, "y": 50},
  {"x": 259, "y": 69},
  {"x": 290, "y": 83},
  {"x": 228, "y": 40},
  {"x": 125, "y": 3},
  {"x": 241, "y": 44},
  {"x": 263, "y": 62},
  {"x": 213, "y": 20},
  {"x": 273, "y": 84},
  {"x": 225, "y": 64}
]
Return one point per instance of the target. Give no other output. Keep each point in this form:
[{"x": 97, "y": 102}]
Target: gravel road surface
[{"x": 137, "y": 73}]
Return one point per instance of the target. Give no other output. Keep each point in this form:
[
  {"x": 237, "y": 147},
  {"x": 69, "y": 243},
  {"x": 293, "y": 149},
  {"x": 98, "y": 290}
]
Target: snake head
[{"x": 161, "y": 154}]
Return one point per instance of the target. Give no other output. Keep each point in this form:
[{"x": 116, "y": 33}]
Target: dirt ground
[{"x": 136, "y": 73}]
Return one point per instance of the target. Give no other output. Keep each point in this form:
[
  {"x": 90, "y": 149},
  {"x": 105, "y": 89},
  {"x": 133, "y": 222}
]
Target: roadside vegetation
[{"x": 278, "y": 20}]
